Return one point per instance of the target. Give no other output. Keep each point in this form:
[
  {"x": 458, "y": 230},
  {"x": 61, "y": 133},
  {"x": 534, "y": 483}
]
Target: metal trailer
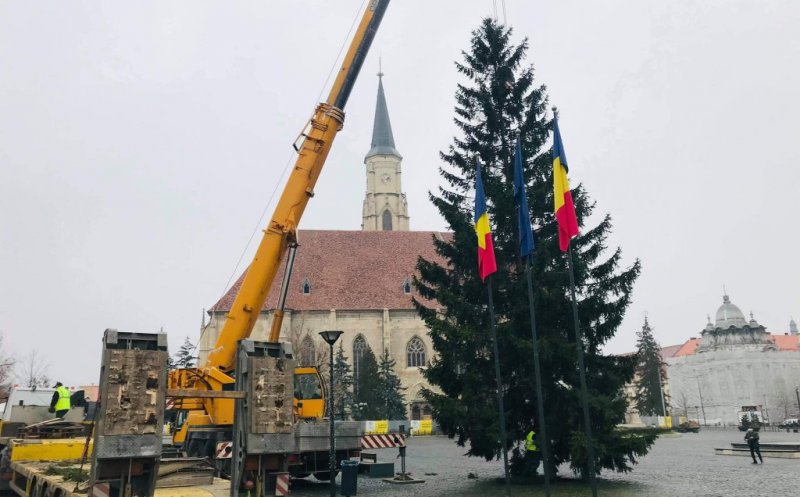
[
  {"x": 268, "y": 444},
  {"x": 130, "y": 415},
  {"x": 127, "y": 444}
]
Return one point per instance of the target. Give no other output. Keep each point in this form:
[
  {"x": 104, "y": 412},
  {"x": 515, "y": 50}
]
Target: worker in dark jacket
[
  {"x": 751, "y": 437},
  {"x": 60, "y": 403}
]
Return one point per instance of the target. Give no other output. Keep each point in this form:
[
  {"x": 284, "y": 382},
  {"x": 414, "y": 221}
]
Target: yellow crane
[{"x": 201, "y": 392}]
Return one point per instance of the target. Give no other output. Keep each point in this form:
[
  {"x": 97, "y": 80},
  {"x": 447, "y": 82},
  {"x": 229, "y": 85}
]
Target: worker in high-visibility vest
[
  {"x": 530, "y": 442},
  {"x": 60, "y": 403},
  {"x": 531, "y": 452}
]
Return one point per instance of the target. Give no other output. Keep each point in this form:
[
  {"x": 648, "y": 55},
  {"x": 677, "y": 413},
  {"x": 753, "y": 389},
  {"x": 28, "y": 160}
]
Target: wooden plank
[
  {"x": 204, "y": 394},
  {"x": 185, "y": 480}
]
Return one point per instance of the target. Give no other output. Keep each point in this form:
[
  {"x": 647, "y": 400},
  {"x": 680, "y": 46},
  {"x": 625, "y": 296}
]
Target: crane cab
[{"x": 309, "y": 393}]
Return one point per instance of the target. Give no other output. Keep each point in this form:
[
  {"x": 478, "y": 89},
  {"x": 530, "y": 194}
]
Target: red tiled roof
[
  {"x": 349, "y": 270},
  {"x": 786, "y": 342},
  {"x": 669, "y": 351},
  {"x": 688, "y": 348}
]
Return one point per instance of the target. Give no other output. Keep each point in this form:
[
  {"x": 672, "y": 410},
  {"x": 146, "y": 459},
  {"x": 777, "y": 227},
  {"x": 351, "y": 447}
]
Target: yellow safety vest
[
  {"x": 62, "y": 404},
  {"x": 530, "y": 443}
]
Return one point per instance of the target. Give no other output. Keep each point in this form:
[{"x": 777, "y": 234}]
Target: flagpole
[
  {"x": 538, "y": 375},
  {"x": 582, "y": 375},
  {"x": 499, "y": 386}
]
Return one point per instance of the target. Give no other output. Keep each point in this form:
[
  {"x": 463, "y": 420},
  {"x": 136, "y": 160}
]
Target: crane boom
[{"x": 280, "y": 232}]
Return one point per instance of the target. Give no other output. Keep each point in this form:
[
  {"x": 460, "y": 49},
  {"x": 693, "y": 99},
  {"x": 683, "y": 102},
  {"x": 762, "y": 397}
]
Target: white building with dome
[{"x": 735, "y": 366}]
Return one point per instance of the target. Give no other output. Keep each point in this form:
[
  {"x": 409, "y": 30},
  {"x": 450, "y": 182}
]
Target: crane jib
[{"x": 379, "y": 9}]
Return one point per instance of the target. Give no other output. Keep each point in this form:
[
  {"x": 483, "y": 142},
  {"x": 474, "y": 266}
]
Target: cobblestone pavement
[{"x": 677, "y": 466}]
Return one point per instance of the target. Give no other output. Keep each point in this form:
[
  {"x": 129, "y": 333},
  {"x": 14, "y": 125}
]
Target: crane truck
[
  {"x": 244, "y": 393},
  {"x": 200, "y": 392}
]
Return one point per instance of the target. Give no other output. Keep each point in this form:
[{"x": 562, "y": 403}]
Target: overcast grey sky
[{"x": 140, "y": 141}]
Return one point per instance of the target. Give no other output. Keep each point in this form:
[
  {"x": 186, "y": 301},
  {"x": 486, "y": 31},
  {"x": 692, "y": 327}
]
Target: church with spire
[
  {"x": 355, "y": 281},
  {"x": 385, "y": 204}
]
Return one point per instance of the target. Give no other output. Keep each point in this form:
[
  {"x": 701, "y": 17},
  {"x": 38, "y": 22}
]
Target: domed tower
[
  {"x": 385, "y": 205},
  {"x": 731, "y": 330}
]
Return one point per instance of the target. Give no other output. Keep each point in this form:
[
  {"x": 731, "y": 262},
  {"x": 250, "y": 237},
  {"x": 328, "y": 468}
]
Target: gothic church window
[
  {"x": 306, "y": 287},
  {"x": 308, "y": 354},
  {"x": 387, "y": 220},
  {"x": 415, "y": 353},
  {"x": 407, "y": 286},
  {"x": 359, "y": 347}
]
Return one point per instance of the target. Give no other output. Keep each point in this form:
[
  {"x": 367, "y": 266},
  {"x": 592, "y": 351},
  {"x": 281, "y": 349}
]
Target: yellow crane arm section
[{"x": 280, "y": 232}]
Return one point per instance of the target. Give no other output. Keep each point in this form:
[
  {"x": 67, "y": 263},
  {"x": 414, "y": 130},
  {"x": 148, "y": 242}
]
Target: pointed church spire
[{"x": 382, "y": 138}]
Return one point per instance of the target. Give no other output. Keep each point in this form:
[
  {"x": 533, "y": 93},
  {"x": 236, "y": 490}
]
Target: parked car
[
  {"x": 688, "y": 426},
  {"x": 790, "y": 423}
]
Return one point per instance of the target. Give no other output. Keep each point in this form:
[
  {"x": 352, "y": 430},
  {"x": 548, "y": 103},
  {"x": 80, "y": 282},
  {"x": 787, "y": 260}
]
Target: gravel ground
[{"x": 677, "y": 466}]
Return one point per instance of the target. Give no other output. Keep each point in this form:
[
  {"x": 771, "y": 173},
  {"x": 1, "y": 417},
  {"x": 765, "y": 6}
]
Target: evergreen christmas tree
[
  {"x": 342, "y": 384},
  {"x": 648, "y": 398},
  {"x": 498, "y": 100},
  {"x": 391, "y": 392},
  {"x": 367, "y": 405},
  {"x": 183, "y": 358}
]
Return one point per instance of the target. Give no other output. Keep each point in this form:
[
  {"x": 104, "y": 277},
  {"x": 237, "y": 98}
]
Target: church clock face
[{"x": 386, "y": 179}]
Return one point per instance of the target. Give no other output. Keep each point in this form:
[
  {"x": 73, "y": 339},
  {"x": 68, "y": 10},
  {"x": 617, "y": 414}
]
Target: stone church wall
[{"x": 381, "y": 329}]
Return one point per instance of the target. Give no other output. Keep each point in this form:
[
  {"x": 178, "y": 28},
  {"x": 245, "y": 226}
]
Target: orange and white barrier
[
  {"x": 383, "y": 441},
  {"x": 281, "y": 484},
  {"x": 101, "y": 490},
  {"x": 224, "y": 450}
]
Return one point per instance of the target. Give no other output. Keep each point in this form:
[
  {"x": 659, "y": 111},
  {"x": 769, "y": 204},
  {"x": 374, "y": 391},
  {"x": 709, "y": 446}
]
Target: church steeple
[
  {"x": 382, "y": 137},
  {"x": 385, "y": 205}
]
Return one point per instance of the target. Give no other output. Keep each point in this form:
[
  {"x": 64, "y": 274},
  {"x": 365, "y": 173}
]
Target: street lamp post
[
  {"x": 701, "y": 400},
  {"x": 330, "y": 337}
]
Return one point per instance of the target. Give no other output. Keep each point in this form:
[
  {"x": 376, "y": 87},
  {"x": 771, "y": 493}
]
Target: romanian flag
[
  {"x": 564, "y": 208},
  {"x": 486, "y": 262}
]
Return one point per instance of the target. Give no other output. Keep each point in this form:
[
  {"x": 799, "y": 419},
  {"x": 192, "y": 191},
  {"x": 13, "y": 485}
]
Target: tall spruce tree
[
  {"x": 498, "y": 100},
  {"x": 649, "y": 378},
  {"x": 391, "y": 392},
  {"x": 183, "y": 358},
  {"x": 367, "y": 405},
  {"x": 342, "y": 384}
]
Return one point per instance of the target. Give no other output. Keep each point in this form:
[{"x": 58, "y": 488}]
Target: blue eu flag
[{"x": 524, "y": 221}]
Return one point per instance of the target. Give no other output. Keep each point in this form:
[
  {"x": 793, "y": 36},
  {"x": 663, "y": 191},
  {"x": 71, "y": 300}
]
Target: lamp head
[{"x": 330, "y": 336}]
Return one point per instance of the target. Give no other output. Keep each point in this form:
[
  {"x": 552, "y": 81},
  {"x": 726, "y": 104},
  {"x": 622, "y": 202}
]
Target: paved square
[{"x": 679, "y": 465}]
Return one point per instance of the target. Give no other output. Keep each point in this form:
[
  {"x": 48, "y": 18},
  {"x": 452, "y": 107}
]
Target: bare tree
[
  {"x": 681, "y": 403},
  {"x": 783, "y": 402},
  {"x": 309, "y": 351},
  {"x": 6, "y": 371},
  {"x": 32, "y": 371}
]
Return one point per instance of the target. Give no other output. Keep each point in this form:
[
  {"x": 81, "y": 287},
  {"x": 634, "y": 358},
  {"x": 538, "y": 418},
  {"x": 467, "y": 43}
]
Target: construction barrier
[
  {"x": 101, "y": 489},
  {"x": 281, "y": 484},
  {"x": 376, "y": 427},
  {"x": 224, "y": 450},
  {"x": 383, "y": 441},
  {"x": 421, "y": 427},
  {"x": 409, "y": 427}
]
